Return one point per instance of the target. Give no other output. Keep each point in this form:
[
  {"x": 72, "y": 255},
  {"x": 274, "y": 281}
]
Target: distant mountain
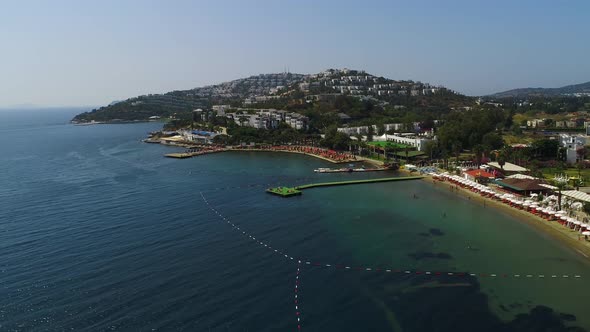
[{"x": 576, "y": 89}]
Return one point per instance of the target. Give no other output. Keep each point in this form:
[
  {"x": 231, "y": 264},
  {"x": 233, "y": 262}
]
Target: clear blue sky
[{"x": 58, "y": 53}]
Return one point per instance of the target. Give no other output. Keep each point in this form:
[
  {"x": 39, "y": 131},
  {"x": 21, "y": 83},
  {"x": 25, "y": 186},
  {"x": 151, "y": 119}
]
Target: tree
[
  {"x": 502, "y": 159},
  {"x": 370, "y": 134},
  {"x": 457, "y": 148},
  {"x": 335, "y": 139},
  {"x": 549, "y": 123},
  {"x": 580, "y": 166},
  {"x": 429, "y": 149},
  {"x": 560, "y": 186},
  {"x": 545, "y": 148},
  {"x": 578, "y": 183},
  {"x": 581, "y": 154},
  {"x": 493, "y": 140},
  {"x": 478, "y": 151},
  {"x": 380, "y": 129}
]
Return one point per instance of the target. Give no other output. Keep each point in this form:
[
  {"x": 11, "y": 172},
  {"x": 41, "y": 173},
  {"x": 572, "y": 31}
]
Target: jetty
[
  {"x": 292, "y": 191},
  {"x": 192, "y": 153}
]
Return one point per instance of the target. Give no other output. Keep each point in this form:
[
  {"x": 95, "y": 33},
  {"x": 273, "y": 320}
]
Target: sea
[{"x": 100, "y": 232}]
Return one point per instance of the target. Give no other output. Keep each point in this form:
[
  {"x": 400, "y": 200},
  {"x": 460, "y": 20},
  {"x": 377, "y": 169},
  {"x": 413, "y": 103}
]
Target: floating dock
[
  {"x": 292, "y": 191},
  {"x": 283, "y": 191}
]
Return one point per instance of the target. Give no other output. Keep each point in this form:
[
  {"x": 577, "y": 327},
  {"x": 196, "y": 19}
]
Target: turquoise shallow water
[{"x": 99, "y": 232}]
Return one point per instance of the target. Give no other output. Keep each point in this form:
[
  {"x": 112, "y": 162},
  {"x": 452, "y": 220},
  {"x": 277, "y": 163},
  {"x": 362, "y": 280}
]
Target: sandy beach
[
  {"x": 291, "y": 151},
  {"x": 571, "y": 239}
]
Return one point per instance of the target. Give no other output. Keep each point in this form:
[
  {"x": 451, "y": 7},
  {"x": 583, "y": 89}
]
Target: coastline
[
  {"x": 297, "y": 152},
  {"x": 553, "y": 229},
  {"x": 556, "y": 231}
]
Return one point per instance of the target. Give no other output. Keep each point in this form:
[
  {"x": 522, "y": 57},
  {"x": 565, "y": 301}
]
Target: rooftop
[
  {"x": 480, "y": 173},
  {"x": 522, "y": 184},
  {"x": 509, "y": 167}
]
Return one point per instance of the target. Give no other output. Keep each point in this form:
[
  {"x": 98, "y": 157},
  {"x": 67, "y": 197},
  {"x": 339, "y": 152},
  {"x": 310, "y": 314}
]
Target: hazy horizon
[{"x": 68, "y": 54}]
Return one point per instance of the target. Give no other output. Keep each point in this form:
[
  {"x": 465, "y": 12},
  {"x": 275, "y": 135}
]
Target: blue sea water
[{"x": 100, "y": 232}]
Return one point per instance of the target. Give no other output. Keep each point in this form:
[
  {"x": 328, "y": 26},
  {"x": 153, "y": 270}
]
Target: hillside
[
  {"x": 576, "y": 89},
  {"x": 285, "y": 90}
]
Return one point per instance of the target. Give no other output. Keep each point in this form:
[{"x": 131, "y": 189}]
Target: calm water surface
[{"x": 99, "y": 232}]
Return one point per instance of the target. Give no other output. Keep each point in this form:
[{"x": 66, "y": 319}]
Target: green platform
[
  {"x": 287, "y": 192},
  {"x": 283, "y": 191}
]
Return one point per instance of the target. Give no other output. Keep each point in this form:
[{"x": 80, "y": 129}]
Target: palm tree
[
  {"x": 501, "y": 162},
  {"x": 578, "y": 183},
  {"x": 478, "y": 150},
  {"x": 457, "y": 148},
  {"x": 560, "y": 183},
  {"x": 394, "y": 149}
]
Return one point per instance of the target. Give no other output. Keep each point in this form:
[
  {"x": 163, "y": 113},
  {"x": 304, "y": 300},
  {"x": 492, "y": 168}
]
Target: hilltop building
[{"x": 270, "y": 119}]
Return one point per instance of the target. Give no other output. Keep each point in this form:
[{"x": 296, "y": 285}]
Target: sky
[{"x": 90, "y": 53}]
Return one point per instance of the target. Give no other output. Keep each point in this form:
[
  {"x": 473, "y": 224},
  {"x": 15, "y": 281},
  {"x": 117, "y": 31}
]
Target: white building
[
  {"x": 408, "y": 139},
  {"x": 220, "y": 109},
  {"x": 572, "y": 143},
  {"x": 270, "y": 119}
]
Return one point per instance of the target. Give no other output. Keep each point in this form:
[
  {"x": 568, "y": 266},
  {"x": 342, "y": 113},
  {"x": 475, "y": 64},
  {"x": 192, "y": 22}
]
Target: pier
[
  {"x": 292, "y": 191},
  {"x": 190, "y": 154}
]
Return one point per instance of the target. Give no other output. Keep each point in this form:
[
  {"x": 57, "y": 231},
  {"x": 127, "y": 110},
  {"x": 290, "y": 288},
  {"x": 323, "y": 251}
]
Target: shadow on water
[
  {"x": 436, "y": 232},
  {"x": 433, "y": 232},
  {"x": 424, "y": 255},
  {"x": 450, "y": 303}
]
